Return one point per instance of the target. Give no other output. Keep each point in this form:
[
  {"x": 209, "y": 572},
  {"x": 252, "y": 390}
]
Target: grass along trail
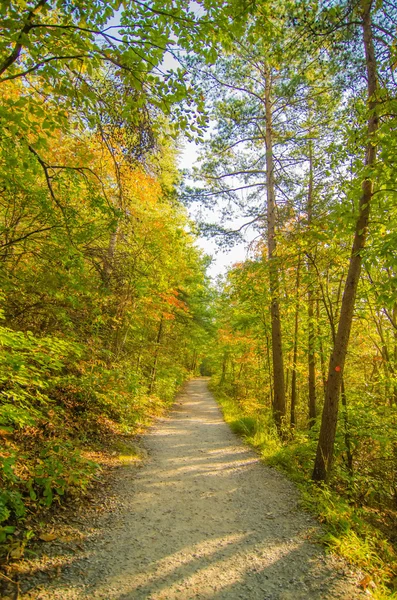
[{"x": 202, "y": 519}]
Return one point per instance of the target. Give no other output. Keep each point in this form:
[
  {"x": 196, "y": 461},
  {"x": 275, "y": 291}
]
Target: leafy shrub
[
  {"x": 11, "y": 501},
  {"x": 60, "y": 469},
  {"x": 30, "y": 368},
  {"x": 347, "y": 529}
]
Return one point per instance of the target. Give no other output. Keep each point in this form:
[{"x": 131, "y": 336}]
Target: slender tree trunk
[
  {"x": 394, "y": 397},
  {"x": 156, "y": 356},
  {"x": 269, "y": 368},
  {"x": 193, "y": 363},
  {"x": 295, "y": 350},
  {"x": 389, "y": 359},
  {"x": 240, "y": 371},
  {"x": 349, "y": 455},
  {"x": 310, "y": 305},
  {"x": 277, "y": 349},
  {"x": 223, "y": 374},
  {"x": 287, "y": 370},
  {"x": 321, "y": 345},
  {"x": 311, "y": 358},
  {"x": 325, "y": 448}
]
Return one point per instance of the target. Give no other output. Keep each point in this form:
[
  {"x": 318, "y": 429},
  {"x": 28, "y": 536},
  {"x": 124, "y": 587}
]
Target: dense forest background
[
  {"x": 106, "y": 307},
  {"x": 104, "y": 297}
]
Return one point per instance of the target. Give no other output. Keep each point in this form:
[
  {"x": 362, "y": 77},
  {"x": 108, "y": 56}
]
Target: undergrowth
[
  {"x": 346, "y": 525},
  {"x": 58, "y": 408}
]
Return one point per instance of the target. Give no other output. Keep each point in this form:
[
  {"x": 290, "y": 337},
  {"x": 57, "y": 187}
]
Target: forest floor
[{"x": 202, "y": 518}]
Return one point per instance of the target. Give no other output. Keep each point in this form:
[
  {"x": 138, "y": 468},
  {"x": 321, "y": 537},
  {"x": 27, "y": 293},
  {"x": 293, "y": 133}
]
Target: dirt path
[{"x": 203, "y": 519}]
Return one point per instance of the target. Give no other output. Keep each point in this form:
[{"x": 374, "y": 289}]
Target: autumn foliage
[{"x": 103, "y": 292}]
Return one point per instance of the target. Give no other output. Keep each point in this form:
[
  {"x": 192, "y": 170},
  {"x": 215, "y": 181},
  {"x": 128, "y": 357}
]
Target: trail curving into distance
[{"x": 203, "y": 519}]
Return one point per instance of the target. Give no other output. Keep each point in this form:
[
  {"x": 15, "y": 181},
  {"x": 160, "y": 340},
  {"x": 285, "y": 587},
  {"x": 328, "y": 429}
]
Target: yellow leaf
[
  {"x": 48, "y": 537},
  {"x": 17, "y": 550},
  {"x": 365, "y": 582}
]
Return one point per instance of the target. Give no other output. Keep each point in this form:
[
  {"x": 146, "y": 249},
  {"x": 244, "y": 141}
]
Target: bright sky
[{"x": 222, "y": 259}]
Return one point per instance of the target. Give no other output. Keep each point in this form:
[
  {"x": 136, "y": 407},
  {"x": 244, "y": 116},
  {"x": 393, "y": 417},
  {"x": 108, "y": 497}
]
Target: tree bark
[
  {"x": 393, "y": 399},
  {"x": 277, "y": 349},
  {"x": 349, "y": 454},
  {"x": 325, "y": 448},
  {"x": 15, "y": 54},
  {"x": 310, "y": 306},
  {"x": 295, "y": 350},
  {"x": 321, "y": 347},
  {"x": 223, "y": 375},
  {"x": 269, "y": 368},
  {"x": 156, "y": 356}
]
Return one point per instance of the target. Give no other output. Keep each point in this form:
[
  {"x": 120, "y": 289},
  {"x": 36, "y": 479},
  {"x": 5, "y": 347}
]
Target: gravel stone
[{"x": 203, "y": 519}]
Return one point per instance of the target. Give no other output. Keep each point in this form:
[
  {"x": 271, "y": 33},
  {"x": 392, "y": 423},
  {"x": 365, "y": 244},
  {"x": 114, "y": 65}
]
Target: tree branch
[
  {"x": 24, "y": 237},
  {"x": 41, "y": 63},
  {"x": 19, "y": 44}
]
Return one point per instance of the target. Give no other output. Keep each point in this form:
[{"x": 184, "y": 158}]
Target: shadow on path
[{"x": 204, "y": 519}]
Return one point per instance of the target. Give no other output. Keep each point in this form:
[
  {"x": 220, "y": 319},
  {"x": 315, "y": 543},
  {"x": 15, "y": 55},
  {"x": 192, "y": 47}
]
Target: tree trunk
[
  {"x": 277, "y": 350},
  {"x": 269, "y": 368},
  {"x": 326, "y": 442},
  {"x": 193, "y": 363},
  {"x": 156, "y": 356},
  {"x": 310, "y": 305},
  {"x": 223, "y": 375},
  {"x": 394, "y": 397},
  {"x": 286, "y": 382},
  {"x": 387, "y": 361},
  {"x": 321, "y": 347},
  {"x": 295, "y": 350},
  {"x": 349, "y": 455}
]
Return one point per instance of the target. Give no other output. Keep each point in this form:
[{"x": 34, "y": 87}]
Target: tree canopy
[{"x": 106, "y": 306}]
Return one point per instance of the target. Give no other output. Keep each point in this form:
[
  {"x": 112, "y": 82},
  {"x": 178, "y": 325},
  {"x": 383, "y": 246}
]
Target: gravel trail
[{"x": 203, "y": 519}]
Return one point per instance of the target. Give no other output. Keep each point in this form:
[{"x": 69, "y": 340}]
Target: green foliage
[
  {"x": 245, "y": 426},
  {"x": 104, "y": 298},
  {"x": 59, "y": 469},
  {"x": 45, "y": 474},
  {"x": 106, "y": 306},
  {"x": 11, "y": 500},
  {"x": 320, "y": 134},
  {"x": 346, "y": 527},
  {"x": 250, "y": 420},
  {"x": 348, "y": 533},
  {"x": 28, "y": 368}
]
